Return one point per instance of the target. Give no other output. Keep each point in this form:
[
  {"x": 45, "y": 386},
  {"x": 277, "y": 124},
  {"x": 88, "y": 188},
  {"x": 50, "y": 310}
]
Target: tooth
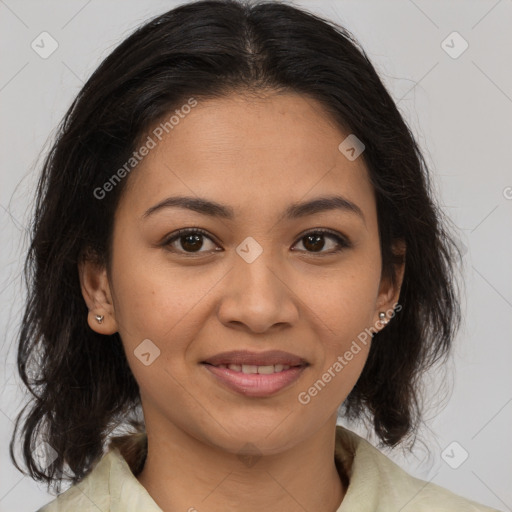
[
  {"x": 252, "y": 368},
  {"x": 266, "y": 370},
  {"x": 249, "y": 368}
]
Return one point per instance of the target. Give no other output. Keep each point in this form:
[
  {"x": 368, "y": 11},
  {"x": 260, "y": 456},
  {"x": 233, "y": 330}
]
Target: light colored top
[{"x": 377, "y": 484}]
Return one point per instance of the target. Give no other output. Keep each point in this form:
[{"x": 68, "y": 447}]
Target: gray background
[{"x": 460, "y": 109}]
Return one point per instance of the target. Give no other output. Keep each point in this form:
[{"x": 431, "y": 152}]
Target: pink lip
[
  {"x": 270, "y": 357},
  {"x": 255, "y": 384}
]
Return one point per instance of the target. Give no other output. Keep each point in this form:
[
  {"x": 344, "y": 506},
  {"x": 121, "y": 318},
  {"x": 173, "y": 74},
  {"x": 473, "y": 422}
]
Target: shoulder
[
  {"x": 110, "y": 486},
  {"x": 91, "y": 493},
  {"x": 377, "y": 483}
]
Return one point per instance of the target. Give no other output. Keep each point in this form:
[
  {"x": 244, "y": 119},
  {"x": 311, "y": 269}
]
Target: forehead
[{"x": 251, "y": 153}]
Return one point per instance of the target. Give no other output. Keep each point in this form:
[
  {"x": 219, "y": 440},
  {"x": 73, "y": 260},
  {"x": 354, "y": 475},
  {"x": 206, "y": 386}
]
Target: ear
[
  {"x": 97, "y": 295},
  {"x": 389, "y": 293}
]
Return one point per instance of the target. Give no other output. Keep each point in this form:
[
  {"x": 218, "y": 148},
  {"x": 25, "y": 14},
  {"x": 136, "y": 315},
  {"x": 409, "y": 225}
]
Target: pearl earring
[
  {"x": 382, "y": 318},
  {"x": 99, "y": 318}
]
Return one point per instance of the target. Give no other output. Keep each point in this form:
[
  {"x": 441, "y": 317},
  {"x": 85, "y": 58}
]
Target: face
[{"x": 263, "y": 274}]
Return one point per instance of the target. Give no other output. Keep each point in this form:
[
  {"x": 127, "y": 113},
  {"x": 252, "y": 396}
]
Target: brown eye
[
  {"x": 191, "y": 242},
  {"x": 188, "y": 241},
  {"x": 314, "y": 241}
]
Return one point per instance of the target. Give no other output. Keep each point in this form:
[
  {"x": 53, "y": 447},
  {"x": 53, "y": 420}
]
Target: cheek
[
  {"x": 343, "y": 299},
  {"x": 159, "y": 301},
  {"x": 342, "y": 306},
  {"x": 344, "y": 311}
]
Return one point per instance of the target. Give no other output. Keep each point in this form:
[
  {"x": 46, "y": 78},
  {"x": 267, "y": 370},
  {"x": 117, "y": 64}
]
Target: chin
[{"x": 266, "y": 436}]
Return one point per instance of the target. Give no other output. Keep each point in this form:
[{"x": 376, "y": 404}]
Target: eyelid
[
  {"x": 342, "y": 240},
  {"x": 186, "y": 231},
  {"x": 325, "y": 231}
]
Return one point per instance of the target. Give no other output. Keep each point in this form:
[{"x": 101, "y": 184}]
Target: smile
[
  {"x": 254, "y": 381},
  {"x": 252, "y": 368}
]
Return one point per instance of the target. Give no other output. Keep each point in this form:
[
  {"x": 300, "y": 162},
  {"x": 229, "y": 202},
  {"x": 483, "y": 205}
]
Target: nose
[{"x": 258, "y": 296}]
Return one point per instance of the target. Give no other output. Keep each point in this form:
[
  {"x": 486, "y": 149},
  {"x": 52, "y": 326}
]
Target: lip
[
  {"x": 255, "y": 384},
  {"x": 270, "y": 357}
]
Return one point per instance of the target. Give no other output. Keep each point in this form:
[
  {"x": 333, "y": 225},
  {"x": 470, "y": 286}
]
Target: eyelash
[{"x": 343, "y": 242}]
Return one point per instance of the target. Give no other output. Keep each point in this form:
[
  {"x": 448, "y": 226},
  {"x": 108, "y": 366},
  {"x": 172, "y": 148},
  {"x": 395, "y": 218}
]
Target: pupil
[
  {"x": 192, "y": 242},
  {"x": 315, "y": 239}
]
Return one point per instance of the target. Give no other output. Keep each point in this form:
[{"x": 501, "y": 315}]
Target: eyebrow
[{"x": 294, "y": 211}]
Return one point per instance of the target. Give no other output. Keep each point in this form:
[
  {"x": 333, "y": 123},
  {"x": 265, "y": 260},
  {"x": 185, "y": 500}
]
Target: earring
[
  {"x": 382, "y": 318},
  {"x": 99, "y": 318}
]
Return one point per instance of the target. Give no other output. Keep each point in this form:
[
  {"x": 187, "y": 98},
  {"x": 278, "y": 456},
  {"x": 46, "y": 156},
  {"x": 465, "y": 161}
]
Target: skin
[{"x": 256, "y": 155}]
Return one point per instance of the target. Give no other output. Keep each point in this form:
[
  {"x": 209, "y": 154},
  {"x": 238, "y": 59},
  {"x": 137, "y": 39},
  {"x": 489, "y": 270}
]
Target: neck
[{"x": 207, "y": 478}]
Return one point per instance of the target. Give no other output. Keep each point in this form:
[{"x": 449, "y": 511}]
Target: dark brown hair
[{"x": 81, "y": 384}]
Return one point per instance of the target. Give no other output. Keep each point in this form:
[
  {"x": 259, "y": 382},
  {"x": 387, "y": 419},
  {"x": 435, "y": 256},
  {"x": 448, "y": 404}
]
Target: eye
[
  {"x": 314, "y": 241},
  {"x": 191, "y": 241}
]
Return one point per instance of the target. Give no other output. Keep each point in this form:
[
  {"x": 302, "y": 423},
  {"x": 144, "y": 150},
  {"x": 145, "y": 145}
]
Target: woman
[{"x": 234, "y": 237}]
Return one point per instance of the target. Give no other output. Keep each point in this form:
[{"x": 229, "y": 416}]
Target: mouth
[
  {"x": 243, "y": 358},
  {"x": 253, "y": 368},
  {"x": 255, "y": 374}
]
